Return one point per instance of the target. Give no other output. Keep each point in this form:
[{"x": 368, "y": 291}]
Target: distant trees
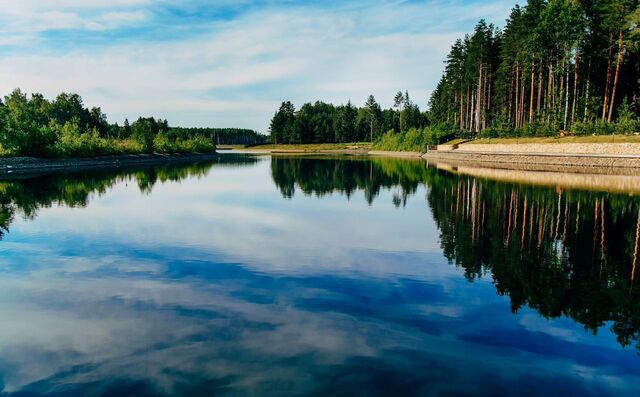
[
  {"x": 320, "y": 122},
  {"x": 557, "y": 65},
  {"x": 35, "y": 126}
]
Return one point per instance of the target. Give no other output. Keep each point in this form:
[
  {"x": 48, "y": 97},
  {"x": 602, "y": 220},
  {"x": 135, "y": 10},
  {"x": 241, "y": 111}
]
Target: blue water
[{"x": 222, "y": 282}]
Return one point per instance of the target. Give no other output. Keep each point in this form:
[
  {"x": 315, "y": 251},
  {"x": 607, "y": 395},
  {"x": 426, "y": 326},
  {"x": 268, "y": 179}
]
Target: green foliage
[
  {"x": 413, "y": 140},
  {"x": 162, "y": 143},
  {"x": 627, "y": 121},
  {"x": 25, "y": 128},
  {"x": 34, "y": 126},
  {"x": 325, "y": 123}
]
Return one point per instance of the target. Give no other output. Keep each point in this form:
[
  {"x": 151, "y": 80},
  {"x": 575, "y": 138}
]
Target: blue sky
[{"x": 230, "y": 63}]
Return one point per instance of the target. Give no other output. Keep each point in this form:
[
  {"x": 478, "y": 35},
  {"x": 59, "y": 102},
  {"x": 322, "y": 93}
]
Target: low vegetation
[
  {"x": 413, "y": 140},
  {"x": 314, "y": 146}
]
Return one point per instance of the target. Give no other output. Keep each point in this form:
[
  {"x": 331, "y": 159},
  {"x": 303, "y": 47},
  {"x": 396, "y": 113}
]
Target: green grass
[
  {"x": 454, "y": 141},
  {"x": 314, "y": 146}
]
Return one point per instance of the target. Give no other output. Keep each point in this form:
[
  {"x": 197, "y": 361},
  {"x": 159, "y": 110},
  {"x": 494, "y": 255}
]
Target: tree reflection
[
  {"x": 25, "y": 197},
  {"x": 563, "y": 253},
  {"x": 348, "y": 175}
]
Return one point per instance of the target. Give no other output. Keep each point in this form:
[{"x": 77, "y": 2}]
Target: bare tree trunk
[
  {"x": 539, "y": 87},
  {"x": 469, "y": 108},
  {"x": 621, "y": 52},
  {"x": 566, "y": 97},
  {"x": 550, "y": 102},
  {"x": 586, "y": 100},
  {"x": 461, "y": 111},
  {"x": 489, "y": 92},
  {"x": 473, "y": 112},
  {"x": 533, "y": 85},
  {"x": 479, "y": 99},
  {"x": 575, "y": 89},
  {"x": 608, "y": 83},
  {"x": 517, "y": 115},
  {"x": 511, "y": 98},
  {"x": 522, "y": 108}
]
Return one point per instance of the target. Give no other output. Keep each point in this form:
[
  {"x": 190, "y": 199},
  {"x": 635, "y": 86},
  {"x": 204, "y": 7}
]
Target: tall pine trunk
[
  {"x": 608, "y": 83},
  {"x": 566, "y": 96},
  {"x": 575, "y": 89},
  {"x": 517, "y": 115},
  {"x": 538, "y": 105},
  {"x": 587, "y": 92},
  {"x": 478, "y": 99},
  {"x": 511, "y": 88},
  {"x": 621, "y": 51},
  {"x": 533, "y": 85}
]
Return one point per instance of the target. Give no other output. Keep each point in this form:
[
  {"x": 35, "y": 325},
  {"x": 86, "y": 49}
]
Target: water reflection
[
  {"x": 564, "y": 253},
  {"x": 348, "y": 175},
  {"x": 212, "y": 283},
  {"x": 26, "y": 195}
]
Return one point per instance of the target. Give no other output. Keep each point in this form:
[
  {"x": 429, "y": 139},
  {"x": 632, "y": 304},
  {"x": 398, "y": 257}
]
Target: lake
[{"x": 343, "y": 276}]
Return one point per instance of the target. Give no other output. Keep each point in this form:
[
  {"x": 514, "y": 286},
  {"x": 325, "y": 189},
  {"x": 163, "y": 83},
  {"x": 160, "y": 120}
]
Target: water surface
[{"x": 315, "y": 276}]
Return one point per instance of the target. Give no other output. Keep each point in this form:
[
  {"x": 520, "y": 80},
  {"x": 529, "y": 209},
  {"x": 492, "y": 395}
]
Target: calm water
[{"x": 326, "y": 277}]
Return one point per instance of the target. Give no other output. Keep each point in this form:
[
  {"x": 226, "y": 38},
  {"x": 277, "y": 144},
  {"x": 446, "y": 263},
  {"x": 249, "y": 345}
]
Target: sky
[{"x": 230, "y": 63}]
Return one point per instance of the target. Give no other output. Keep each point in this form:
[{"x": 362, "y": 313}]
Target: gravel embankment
[
  {"x": 612, "y": 149},
  {"x": 31, "y": 165},
  {"x": 599, "y": 164}
]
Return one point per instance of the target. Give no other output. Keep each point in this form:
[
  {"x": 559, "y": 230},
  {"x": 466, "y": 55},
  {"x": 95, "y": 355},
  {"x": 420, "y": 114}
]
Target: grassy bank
[{"x": 313, "y": 147}]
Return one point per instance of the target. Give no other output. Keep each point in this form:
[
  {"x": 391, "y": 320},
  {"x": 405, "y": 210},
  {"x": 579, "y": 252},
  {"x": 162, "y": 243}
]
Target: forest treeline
[
  {"x": 322, "y": 122},
  {"x": 558, "y": 65},
  {"x": 64, "y": 127}
]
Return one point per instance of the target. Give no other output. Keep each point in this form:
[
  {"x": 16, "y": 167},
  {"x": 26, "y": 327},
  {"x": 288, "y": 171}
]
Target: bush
[{"x": 413, "y": 140}]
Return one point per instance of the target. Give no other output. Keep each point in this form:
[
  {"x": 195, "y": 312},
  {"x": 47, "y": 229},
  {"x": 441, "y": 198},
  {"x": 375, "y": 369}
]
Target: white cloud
[{"x": 237, "y": 72}]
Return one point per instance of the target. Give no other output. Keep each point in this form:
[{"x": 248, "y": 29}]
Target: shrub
[{"x": 414, "y": 140}]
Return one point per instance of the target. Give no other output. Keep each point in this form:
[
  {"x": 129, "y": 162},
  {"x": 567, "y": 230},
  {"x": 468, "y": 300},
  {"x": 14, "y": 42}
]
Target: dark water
[{"x": 324, "y": 277}]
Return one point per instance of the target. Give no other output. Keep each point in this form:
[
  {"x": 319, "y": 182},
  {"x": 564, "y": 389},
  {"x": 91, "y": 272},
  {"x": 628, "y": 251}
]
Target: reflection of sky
[{"x": 220, "y": 285}]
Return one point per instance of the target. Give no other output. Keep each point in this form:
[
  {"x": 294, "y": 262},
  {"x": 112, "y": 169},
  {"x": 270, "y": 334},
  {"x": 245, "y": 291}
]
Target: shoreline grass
[{"x": 313, "y": 146}]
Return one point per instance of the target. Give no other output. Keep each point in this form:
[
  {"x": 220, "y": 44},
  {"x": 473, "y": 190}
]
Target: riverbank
[
  {"x": 12, "y": 166},
  {"x": 590, "y": 154}
]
